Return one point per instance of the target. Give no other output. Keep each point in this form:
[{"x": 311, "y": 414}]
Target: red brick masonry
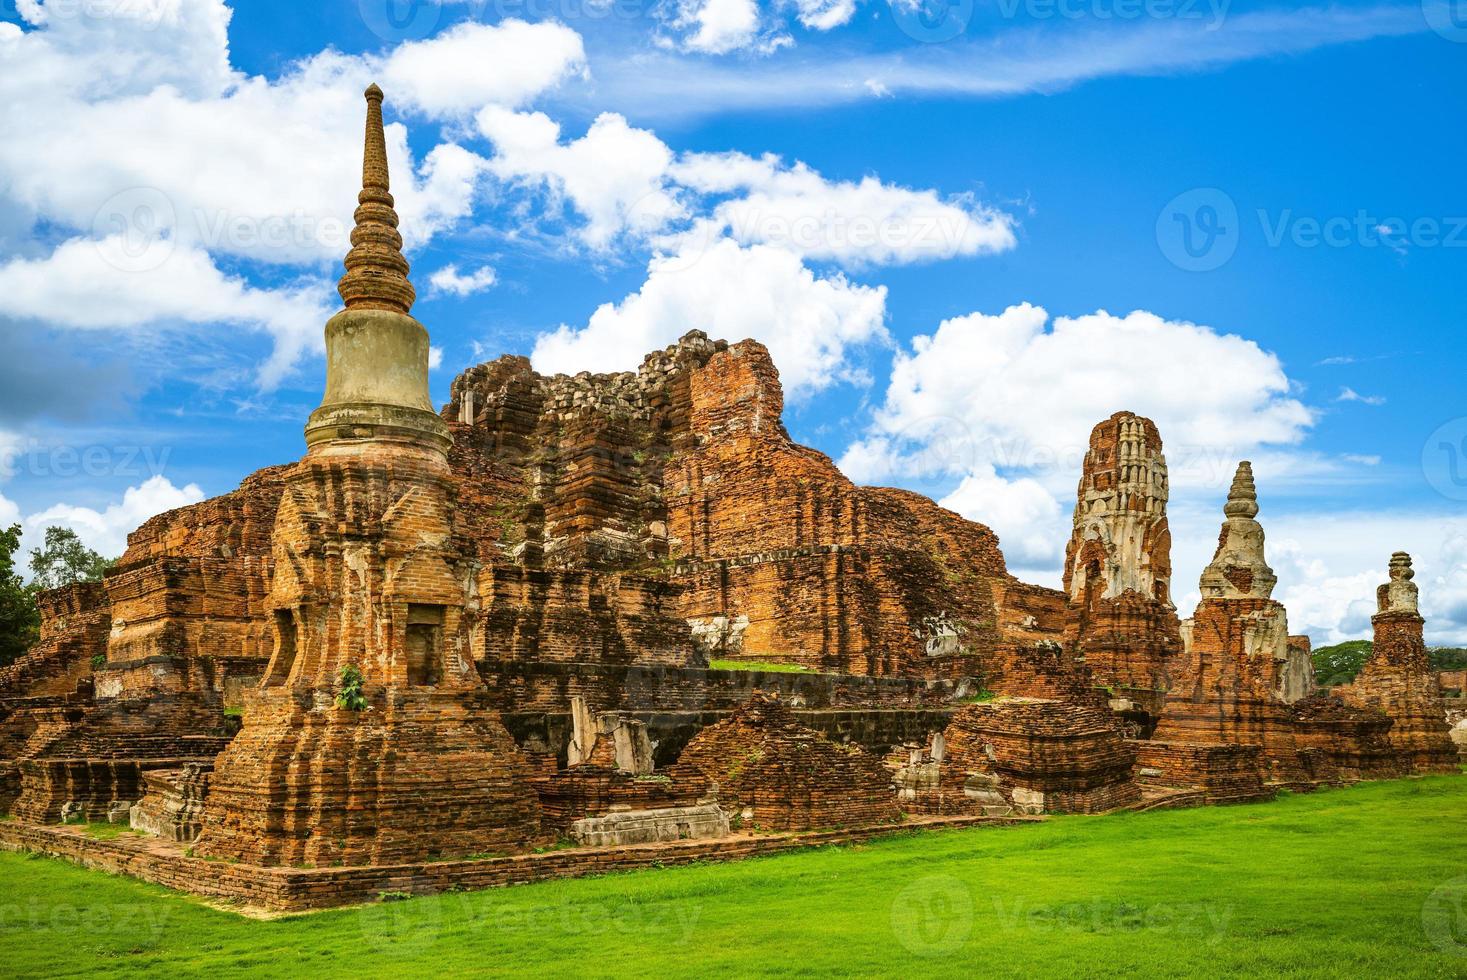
[{"x": 257, "y": 889}]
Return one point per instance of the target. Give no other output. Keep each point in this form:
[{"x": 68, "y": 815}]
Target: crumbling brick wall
[{"x": 785, "y": 777}]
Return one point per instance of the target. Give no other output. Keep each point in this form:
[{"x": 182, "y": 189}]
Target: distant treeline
[{"x": 1338, "y": 664}]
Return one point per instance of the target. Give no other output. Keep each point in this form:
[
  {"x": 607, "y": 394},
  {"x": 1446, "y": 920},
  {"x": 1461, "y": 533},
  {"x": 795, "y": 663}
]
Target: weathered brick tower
[
  {"x": 369, "y": 573},
  {"x": 1118, "y": 567},
  {"x": 1227, "y": 685},
  {"x": 1398, "y": 678}
]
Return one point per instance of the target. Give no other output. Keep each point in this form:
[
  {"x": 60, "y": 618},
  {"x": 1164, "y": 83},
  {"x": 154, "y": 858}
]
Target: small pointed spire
[
  {"x": 376, "y": 272},
  {"x": 1243, "y": 495}
]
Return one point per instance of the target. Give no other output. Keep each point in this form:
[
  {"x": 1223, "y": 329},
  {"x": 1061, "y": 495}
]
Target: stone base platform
[{"x": 256, "y": 890}]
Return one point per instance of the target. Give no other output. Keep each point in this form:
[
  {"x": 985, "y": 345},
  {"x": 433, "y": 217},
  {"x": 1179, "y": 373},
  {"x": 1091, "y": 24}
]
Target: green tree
[
  {"x": 19, "y": 619},
  {"x": 1448, "y": 658},
  {"x": 1340, "y": 663},
  {"x": 65, "y": 560}
]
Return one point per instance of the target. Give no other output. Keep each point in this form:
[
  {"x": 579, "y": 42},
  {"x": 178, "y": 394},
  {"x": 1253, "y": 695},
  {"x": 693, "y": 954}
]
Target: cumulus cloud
[
  {"x": 108, "y": 284},
  {"x": 854, "y": 223},
  {"x": 105, "y": 531},
  {"x": 139, "y": 133},
  {"x": 1004, "y": 404},
  {"x": 810, "y": 323},
  {"x": 1021, "y": 392},
  {"x": 1329, "y": 565},
  {"x": 449, "y": 280},
  {"x": 715, "y": 26},
  {"x": 1023, "y": 513},
  {"x": 824, "y": 15},
  {"x": 613, "y": 175},
  {"x": 473, "y": 65}
]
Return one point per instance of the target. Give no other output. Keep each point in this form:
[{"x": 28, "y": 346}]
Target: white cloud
[
  {"x": 715, "y": 26},
  {"x": 138, "y": 129},
  {"x": 107, "y": 285},
  {"x": 991, "y": 64},
  {"x": 1330, "y": 563},
  {"x": 449, "y": 280},
  {"x": 1023, "y": 513},
  {"x": 823, "y": 15},
  {"x": 855, "y": 223},
  {"x": 9, "y": 513},
  {"x": 1351, "y": 395},
  {"x": 106, "y": 531},
  {"x": 809, "y": 322},
  {"x": 614, "y": 175},
  {"x": 1005, "y": 404},
  {"x": 473, "y": 65},
  {"x": 435, "y": 358},
  {"x": 1020, "y": 393}
]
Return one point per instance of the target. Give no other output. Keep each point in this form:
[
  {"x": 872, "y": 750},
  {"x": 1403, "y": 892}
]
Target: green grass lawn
[
  {"x": 1342, "y": 883},
  {"x": 768, "y": 668}
]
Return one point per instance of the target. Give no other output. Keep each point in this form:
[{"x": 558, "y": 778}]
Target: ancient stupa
[{"x": 369, "y": 739}]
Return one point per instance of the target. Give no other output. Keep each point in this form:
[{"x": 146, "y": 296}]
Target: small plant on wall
[{"x": 350, "y": 696}]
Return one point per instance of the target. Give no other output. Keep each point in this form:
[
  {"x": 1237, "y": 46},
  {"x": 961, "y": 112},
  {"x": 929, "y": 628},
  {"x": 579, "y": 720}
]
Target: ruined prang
[
  {"x": 1226, "y": 688},
  {"x": 1120, "y": 619},
  {"x": 1397, "y": 678}
]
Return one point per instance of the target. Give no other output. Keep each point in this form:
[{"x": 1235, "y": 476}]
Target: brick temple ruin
[{"x": 476, "y": 646}]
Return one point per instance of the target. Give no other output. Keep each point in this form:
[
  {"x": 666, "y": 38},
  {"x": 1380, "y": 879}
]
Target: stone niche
[
  {"x": 611, "y": 793},
  {"x": 172, "y": 803},
  {"x": 773, "y": 774}
]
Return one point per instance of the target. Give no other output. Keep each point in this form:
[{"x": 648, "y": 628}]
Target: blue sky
[{"x": 1246, "y": 220}]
